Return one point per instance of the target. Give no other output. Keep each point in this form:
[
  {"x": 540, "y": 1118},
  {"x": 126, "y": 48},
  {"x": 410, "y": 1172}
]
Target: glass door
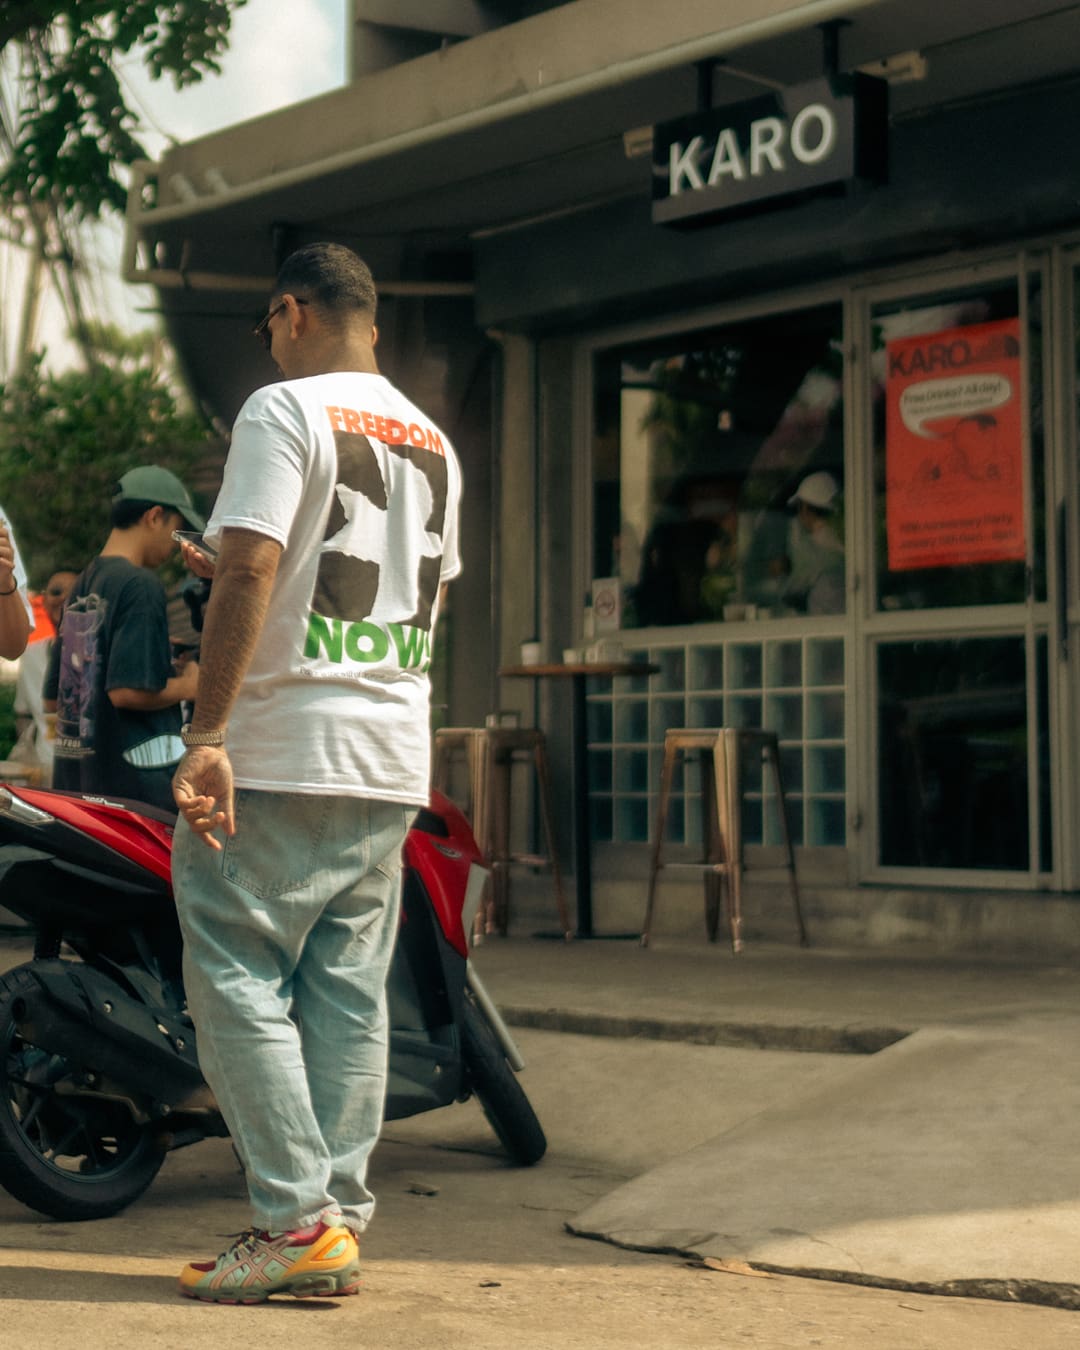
[{"x": 957, "y": 617}]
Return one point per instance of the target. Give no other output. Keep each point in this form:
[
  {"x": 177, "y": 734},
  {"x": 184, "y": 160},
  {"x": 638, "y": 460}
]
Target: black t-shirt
[{"x": 114, "y": 635}]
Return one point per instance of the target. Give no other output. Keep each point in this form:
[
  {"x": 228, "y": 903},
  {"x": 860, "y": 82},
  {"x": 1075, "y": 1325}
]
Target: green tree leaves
[
  {"x": 76, "y": 134},
  {"x": 66, "y": 439}
]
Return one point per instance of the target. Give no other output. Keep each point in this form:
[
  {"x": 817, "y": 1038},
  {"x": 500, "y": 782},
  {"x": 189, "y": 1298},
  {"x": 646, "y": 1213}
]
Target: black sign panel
[{"x": 746, "y": 155}]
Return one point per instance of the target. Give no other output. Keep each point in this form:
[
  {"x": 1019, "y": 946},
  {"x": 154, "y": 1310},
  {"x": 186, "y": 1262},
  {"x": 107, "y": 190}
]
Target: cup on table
[{"x": 531, "y": 653}]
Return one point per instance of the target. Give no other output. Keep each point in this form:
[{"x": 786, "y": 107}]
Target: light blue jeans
[{"x": 288, "y": 935}]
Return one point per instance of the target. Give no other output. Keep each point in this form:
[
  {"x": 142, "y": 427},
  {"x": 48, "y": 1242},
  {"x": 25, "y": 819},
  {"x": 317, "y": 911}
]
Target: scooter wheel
[
  {"x": 68, "y": 1155},
  {"x": 501, "y": 1096}
]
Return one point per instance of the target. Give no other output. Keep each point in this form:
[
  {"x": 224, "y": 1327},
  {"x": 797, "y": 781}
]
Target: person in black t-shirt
[{"x": 111, "y": 678}]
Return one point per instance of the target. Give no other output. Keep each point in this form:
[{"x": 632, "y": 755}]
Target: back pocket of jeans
[{"x": 275, "y": 847}]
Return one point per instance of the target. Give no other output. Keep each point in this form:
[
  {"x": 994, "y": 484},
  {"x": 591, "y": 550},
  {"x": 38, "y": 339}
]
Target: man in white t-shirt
[{"x": 337, "y": 528}]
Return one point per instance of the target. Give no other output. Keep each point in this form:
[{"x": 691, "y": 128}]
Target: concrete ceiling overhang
[{"x": 412, "y": 163}]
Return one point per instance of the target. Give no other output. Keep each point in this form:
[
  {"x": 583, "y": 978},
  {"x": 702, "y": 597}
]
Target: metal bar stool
[
  {"x": 490, "y": 754},
  {"x": 721, "y": 749}
]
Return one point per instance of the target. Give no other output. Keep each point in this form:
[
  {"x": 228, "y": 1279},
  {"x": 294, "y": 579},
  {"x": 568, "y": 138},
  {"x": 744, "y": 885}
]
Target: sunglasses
[{"x": 262, "y": 328}]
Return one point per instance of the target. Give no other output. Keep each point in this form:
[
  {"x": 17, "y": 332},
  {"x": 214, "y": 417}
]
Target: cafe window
[
  {"x": 718, "y": 471},
  {"x": 953, "y": 750},
  {"x": 950, "y": 448}
]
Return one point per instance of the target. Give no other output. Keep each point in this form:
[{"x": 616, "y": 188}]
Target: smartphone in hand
[{"x": 196, "y": 540}]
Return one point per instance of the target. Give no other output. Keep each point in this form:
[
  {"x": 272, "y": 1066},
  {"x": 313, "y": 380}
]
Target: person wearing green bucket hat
[{"x": 111, "y": 678}]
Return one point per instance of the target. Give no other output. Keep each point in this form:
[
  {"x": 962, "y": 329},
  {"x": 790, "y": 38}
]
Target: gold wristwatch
[{"x": 191, "y": 738}]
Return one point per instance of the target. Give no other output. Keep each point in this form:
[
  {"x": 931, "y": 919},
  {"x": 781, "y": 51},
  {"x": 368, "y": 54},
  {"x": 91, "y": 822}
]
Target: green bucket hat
[{"x": 152, "y": 483}]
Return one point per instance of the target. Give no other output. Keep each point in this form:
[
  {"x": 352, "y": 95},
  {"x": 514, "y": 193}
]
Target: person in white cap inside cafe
[{"x": 815, "y": 584}]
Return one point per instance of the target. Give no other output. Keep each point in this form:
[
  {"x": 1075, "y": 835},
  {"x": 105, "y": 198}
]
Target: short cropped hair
[
  {"x": 127, "y": 513},
  {"x": 330, "y": 275}
]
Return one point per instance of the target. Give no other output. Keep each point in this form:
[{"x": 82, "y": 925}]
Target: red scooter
[{"x": 99, "y": 1071}]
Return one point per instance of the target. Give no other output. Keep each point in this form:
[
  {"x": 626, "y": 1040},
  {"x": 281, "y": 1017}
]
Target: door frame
[{"x": 1063, "y": 433}]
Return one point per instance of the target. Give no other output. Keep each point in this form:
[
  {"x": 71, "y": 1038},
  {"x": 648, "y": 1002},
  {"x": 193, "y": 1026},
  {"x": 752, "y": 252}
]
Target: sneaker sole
[{"x": 307, "y": 1286}]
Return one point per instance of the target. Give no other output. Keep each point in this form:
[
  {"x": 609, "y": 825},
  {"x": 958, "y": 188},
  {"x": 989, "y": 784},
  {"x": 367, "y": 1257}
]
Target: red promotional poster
[{"x": 954, "y": 461}]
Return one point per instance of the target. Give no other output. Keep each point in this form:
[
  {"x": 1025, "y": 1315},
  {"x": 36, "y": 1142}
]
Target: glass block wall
[{"x": 793, "y": 685}]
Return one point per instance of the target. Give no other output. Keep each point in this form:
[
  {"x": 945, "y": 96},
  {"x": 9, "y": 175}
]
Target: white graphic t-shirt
[{"x": 362, "y": 491}]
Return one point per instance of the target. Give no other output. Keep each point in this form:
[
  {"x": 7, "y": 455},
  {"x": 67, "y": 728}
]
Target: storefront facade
[
  {"x": 911, "y": 641},
  {"x": 913, "y": 698},
  {"x": 822, "y": 449}
]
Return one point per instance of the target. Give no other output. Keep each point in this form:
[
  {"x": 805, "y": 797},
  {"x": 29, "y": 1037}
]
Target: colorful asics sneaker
[{"x": 322, "y": 1261}]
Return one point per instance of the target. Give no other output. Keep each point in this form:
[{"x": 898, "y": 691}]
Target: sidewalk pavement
[{"x": 943, "y": 1159}]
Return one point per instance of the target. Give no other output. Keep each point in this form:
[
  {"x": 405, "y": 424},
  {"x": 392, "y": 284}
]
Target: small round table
[{"x": 577, "y": 674}]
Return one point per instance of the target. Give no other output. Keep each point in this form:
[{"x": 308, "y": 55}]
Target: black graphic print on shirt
[
  {"x": 80, "y": 674},
  {"x": 367, "y": 520}
]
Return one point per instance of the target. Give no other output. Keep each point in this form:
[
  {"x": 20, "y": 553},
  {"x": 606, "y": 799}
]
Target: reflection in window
[
  {"x": 718, "y": 471},
  {"x": 953, "y": 751}
]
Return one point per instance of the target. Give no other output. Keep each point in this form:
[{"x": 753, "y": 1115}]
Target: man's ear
[
  {"x": 296, "y": 314},
  {"x": 374, "y": 335}
]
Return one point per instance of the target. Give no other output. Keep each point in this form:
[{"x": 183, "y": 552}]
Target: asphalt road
[{"x": 467, "y": 1251}]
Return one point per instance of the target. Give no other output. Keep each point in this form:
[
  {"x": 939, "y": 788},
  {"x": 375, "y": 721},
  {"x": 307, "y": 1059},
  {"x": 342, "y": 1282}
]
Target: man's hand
[
  {"x": 203, "y": 788},
  {"x": 195, "y": 560}
]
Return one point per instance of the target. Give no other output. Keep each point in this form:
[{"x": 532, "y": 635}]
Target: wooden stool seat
[
  {"x": 21, "y": 774},
  {"x": 489, "y": 754},
  {"x": 721, "y": 749}
]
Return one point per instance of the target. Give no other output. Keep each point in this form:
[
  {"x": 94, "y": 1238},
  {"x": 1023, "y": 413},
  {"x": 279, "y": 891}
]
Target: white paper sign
[{"x": 607, "y": 604}]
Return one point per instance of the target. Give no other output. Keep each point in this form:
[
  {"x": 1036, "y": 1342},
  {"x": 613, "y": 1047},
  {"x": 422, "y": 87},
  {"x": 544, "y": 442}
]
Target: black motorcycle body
[{"x": 99, "y": 1072}]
